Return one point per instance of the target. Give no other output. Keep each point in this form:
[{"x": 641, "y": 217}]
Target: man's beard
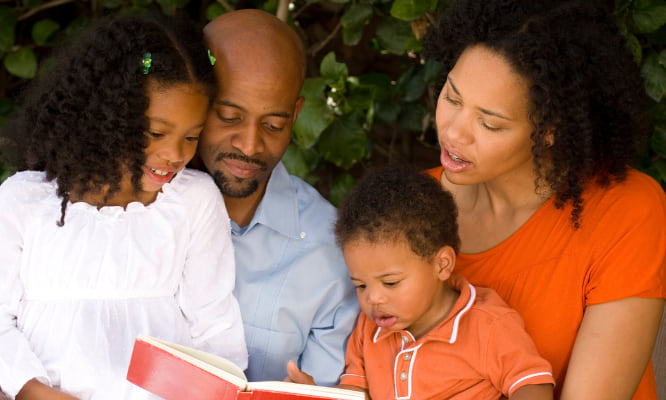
[
  {"x": 227, "y": 188},
  {"x": 243, "y": 188}
]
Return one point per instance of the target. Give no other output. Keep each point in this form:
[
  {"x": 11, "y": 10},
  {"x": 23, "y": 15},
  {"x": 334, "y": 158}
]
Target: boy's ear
[{"x": 445, "y": 260}]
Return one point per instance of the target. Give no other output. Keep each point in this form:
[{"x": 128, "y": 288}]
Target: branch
[
  {"x": 283, "y": 10},
  {"x": 44, "y": 6},
  {"x": 316, "y": 48},
  {"x": 226, "y": 5}
]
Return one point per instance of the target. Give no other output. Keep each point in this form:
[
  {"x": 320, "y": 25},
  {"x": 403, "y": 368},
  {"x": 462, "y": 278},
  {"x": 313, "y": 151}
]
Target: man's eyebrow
[
  {"x": 483, "y": 110},
  {"x": 227, "y": 103}
]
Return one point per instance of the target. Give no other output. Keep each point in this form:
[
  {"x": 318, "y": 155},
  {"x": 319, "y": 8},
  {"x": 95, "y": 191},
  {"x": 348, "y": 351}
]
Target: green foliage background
[{"x": 369, "y": 92}]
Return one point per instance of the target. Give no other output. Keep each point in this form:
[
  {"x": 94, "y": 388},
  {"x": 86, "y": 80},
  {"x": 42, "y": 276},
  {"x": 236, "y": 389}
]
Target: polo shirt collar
[
  {"x": 278, "y": 209},
  {"x": 448, "y": 329}
]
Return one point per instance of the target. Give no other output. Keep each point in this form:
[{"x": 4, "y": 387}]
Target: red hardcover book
[{"x": 176, "y": 372}]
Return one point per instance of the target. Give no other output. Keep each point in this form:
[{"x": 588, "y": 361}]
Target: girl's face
[
  {"x": 176, "y": 117},
  {"x": 482, "y": 120}
]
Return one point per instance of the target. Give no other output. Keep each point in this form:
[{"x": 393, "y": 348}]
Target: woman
[{"x": 538, "y": 116}]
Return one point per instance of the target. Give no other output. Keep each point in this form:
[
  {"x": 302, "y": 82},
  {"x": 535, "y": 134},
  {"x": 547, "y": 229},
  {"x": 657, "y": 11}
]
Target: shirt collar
[
  {"x": 278, "y": 209},
  {"x": 448, "y": 329}
]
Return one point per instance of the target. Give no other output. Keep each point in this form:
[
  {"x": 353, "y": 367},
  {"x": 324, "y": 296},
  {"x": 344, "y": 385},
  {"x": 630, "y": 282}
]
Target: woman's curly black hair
[
  {"x": 585, "y": 87},
  {"x": 396, "y": 203},
  {"x": 83, "y": 120}
]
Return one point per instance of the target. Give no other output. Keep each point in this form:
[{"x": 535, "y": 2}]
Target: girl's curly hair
[
  {"x": 83, "y": 120},
  {"x": 585, "y": 89},
  {"x": 396, "y": 203}
]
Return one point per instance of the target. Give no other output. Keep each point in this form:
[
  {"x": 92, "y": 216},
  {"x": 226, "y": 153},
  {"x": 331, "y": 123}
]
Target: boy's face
[{"x": 398, "y": 289}]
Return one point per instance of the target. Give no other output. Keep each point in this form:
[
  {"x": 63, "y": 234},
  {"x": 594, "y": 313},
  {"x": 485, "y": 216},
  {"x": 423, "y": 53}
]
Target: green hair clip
[
  {"x": 146, "y": 62},
  {"x": 211, "y": 58}
]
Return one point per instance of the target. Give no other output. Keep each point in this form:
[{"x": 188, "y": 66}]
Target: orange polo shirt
[
  {"x": 479, "y": 351},
  {"x": 550, "y": 272}
]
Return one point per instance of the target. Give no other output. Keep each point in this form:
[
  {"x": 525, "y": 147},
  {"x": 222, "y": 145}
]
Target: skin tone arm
[
  {"x": 34, "y": 389},
  {"x": 298, "y": 376},
  {"x": 528, "y": 392},
  {"x": 533, "y": 392},
  {"x": 612, "y": 349}
]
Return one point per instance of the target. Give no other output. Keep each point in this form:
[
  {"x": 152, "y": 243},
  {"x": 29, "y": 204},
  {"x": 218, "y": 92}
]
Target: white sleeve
[
  {"x": 18, "y": 363},
  {"x": 205, "y": 292}
]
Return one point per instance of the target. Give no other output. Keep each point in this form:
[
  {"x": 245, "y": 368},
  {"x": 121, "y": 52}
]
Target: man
[{"x": 293, "y": 287}]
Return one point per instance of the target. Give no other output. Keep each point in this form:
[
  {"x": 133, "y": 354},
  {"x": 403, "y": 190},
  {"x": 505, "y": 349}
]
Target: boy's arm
[
  {"x": 533, "y": 392},
  {"x": 298, "y": 376}
]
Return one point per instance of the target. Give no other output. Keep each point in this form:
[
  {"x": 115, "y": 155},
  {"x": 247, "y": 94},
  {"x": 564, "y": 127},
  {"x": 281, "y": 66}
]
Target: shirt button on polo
[
  {"x": 405, "y": 339},
  {"x": 403, "y": 376},
  {"x": 302, "y": 235},
  {"x": 407, "y": 356}
]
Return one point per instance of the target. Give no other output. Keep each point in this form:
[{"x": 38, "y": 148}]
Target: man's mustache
[{"x": 243, "y": 158}]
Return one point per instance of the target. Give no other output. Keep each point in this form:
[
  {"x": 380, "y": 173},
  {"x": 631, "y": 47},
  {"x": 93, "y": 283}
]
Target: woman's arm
[{"x": 612, "y": 349}]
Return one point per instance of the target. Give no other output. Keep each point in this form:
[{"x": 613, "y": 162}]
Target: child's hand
[
  {"x": 297, "y": 376},
  {"x": 34, "y": 389}
]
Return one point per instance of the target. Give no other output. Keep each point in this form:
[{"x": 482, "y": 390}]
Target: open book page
[
  {"x": 216, "y": 365},
  {"x": 320, "y": 391}
]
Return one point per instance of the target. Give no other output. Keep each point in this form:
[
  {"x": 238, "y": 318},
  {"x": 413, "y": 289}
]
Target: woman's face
[{"x": 482, "y": 120}]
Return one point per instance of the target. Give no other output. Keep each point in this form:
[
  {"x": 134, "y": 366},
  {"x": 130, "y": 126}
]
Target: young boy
[{"x": 425, "y": 333}]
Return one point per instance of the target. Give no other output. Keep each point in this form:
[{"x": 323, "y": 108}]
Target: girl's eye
[{"x": 391, "y": 284}]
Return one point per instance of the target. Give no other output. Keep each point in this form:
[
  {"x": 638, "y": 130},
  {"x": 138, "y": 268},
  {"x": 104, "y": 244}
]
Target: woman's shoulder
[{"x": 637, "y": 190}]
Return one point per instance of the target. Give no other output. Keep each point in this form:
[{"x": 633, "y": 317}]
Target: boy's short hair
[{"x": 397, "y": 203}]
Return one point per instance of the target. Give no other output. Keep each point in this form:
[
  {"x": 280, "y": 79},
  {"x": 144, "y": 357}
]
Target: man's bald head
[{"x": 256, "y": 41}]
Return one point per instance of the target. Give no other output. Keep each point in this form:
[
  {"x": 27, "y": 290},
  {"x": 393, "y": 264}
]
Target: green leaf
[
  {"x": 383, "y": 87},
  {"x": 387, "y": 112},
  {"x": 433, "y": 71},
  {"x": 408, "y": 10},
  {"x": 294, "y": 161},
  {"x": 331, "y": 69},
  {"x": 356, "y": 15},
  {"x": 344, "y": 141},
  {"x": 660, "y": 166},
  {"x": 22, "y": 63},
  {"x": 413, "y": 116},
  {"x": 361, "y": 98},
  {"x": 634, "y": 47},
  {"x": 6, "y": 106},
  {"x": 658, "y": 140},
  {"x": 651, "y": 19},
  {"x": 42, "y": 31},
  {"x": 315, "y": 115},
  {"x": 214, "y": 10},
  {"x": 352, "y": 36},
  {"x": 393, "y": 34},
  {"x": 654, "y": 75},
  {"x": 662, "y": 58},
  {"x": 8, "y": 19},
  {"x": 412, "y": 84},
  {"x": 342, "y": 185},
  {"x": 621, "y": 5}
]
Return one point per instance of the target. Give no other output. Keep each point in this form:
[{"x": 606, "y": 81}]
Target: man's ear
[
  {"x": 297, "y": 109},
  {"x": 445, "y": 261}
]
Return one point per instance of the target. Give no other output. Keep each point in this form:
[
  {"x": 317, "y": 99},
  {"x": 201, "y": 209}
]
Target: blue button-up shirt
[{"x": 296, "y": 298}]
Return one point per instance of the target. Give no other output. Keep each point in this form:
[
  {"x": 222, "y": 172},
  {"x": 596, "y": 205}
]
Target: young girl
[{"x": 105, "y": 235}]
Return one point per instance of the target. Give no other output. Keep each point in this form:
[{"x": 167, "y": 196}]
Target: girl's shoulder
[
  {"x": 193, "y": 185},
  {"x": 25, "y": 185}
]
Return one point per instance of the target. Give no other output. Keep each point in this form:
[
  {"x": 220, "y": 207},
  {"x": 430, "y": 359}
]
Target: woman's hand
[
  {"x": 34, "y": 389},
  {"x": 612, "y": 349}
]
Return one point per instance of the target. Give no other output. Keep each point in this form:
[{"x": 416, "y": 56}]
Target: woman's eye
[
  {"x": 360, "y": 287},
  {"x": 489, "y": 127},
  {"x": 451, "y": 100},
  {"x": 155, "y": 134},
  {"x": 390, "y": 284}
]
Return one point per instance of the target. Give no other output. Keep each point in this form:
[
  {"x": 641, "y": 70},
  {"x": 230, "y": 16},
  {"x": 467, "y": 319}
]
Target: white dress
[{"x": 73, "y": 298}]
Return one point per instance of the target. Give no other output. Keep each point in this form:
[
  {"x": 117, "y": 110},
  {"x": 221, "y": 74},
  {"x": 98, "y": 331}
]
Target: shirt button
[
  {"x": 407, "y": 356},
  {"x": 302, "y": 235},
  {"x": 403, "y": 376},
  {"x": 405, "y": 339}
]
